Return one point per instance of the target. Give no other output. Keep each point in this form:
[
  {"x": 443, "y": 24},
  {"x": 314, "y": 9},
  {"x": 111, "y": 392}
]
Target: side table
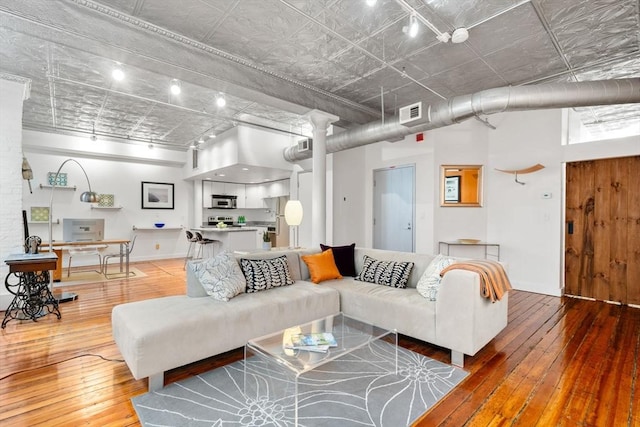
[{"x": 28, "y": 282}]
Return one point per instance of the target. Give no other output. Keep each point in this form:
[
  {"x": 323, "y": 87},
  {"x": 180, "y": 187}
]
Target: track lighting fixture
[
  {"x": 201, "y": 140},
  {"x": 412, "y": 29},
  {"x": 175, "y": 87},
  {"x": 220, "y": 101},
  {"x": 212, "y": 135},
  {"x": 118, "y": 73}
]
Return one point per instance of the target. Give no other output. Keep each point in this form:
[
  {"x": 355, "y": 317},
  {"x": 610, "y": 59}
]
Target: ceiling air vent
[
  {"x": 411, "y": 113},
  {"x": 305, "y": 144}
]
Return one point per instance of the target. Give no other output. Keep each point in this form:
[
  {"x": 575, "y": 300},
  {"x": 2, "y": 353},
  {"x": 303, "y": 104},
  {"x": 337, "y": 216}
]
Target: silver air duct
[{"x": 491, "y": 101}]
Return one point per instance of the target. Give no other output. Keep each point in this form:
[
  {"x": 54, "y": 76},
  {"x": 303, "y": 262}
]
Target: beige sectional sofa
[{"x": 164, "y": 333}]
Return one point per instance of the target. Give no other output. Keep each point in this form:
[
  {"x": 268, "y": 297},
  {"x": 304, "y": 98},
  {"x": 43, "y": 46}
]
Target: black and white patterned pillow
[
  {"x": 263, "y": 274},
  {"x": 388, "y": 273}
]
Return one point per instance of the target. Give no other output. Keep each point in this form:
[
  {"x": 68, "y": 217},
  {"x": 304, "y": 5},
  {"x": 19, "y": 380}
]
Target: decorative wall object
[
  {"x": 61, "y": 181},
  {"x": 106, "y": 200},
  {"x": 157, "y": 195},
  {"x": 39, "y": 214}
]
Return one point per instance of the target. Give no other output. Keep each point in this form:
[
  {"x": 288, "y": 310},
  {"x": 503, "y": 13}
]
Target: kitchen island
[{"x": 230, "y": 238}]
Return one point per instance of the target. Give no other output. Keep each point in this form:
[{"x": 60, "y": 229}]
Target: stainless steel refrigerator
[{"x": 280, "y": 237}]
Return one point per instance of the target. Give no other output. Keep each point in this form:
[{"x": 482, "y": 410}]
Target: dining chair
[{"x": 120, "y": 255}]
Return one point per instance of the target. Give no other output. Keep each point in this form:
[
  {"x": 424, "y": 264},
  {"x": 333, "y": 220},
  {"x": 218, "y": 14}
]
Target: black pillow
[{"x": 344, "y": 256}]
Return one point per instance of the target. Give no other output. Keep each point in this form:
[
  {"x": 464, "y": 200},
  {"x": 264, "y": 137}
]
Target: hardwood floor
[{"x": 561, "y": 361}]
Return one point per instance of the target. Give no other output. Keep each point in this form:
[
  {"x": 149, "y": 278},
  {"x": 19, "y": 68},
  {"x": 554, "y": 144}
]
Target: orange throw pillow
[{"x": 322, "y": 266}]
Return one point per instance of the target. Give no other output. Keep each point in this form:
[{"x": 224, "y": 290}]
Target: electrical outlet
[{"x": 157, "y": 245}]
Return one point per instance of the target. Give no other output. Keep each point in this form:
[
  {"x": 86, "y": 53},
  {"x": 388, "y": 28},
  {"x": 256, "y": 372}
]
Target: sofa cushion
[
  {"x": 263, "y": 274},
  {"x": 344, "y": 257},
  {"x": 388, "y": 273},
  {"x": 221, "y": 276},
  {"x": 430, "y": 279},
  {"x": 322, "y": 266}
]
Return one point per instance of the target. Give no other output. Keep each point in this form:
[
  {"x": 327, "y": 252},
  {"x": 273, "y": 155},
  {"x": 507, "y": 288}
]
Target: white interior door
[{"x": 393, "y": 208}]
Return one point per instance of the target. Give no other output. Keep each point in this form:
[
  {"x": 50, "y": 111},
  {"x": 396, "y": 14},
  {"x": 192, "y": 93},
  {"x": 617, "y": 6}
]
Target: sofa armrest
[
  {"x": 465, "y": 320},
  {"x": 194, "y": 287}
]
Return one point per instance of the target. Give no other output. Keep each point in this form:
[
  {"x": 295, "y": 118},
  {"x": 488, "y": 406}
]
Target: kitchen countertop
[{"x": 226, "y": 229}]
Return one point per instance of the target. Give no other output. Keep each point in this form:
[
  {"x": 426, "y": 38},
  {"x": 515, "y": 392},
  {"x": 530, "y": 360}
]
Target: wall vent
[
  {"x": 305, "y": 144},
  {"x": 411, "y": 113}
]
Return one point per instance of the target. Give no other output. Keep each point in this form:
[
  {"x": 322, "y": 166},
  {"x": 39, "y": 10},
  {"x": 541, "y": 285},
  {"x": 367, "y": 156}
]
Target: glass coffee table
[{"x": 273, "y": 370}]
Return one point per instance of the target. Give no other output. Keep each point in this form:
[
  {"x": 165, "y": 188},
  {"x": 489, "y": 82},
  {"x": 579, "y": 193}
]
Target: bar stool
[
  {"x": 190, "y": 251},
  {"x": 202, "y": 242}
]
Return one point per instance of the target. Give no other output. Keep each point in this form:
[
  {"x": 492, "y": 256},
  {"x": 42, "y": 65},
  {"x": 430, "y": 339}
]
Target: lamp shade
[{"x": 293, "y": 212}]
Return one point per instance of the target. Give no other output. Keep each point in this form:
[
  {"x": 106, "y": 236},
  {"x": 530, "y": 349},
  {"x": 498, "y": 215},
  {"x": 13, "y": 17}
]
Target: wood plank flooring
[{"x": 561, "y": 361}]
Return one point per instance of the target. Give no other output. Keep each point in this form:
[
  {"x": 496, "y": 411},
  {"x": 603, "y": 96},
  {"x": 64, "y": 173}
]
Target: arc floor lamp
[{"x": 87, "y": 197}]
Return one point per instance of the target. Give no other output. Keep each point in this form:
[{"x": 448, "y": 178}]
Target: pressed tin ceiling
[{"x": 275, "y": 60}]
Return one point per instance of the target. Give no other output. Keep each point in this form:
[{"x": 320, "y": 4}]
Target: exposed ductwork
[{"x": 491, "y": 101}]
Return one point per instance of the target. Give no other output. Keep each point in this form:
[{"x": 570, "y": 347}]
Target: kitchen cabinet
[
  {"x": 227, "y": 188},
  {"x": 255, "y": 194}
]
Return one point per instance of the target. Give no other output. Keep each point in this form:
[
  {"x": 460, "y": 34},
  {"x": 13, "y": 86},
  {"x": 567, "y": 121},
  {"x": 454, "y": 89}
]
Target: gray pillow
[
  {"x": 221, "y": 276},
  {"x": 388, "y": 273},
  {"x": 430, "y": 281},
  {"x": 263, "y": 274}
]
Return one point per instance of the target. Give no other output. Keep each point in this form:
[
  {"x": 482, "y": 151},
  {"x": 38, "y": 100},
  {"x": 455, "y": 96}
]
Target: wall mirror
[{"x": 461, "y": 185}]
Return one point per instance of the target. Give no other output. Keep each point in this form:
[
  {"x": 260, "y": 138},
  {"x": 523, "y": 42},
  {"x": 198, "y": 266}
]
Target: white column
[
  {"x": 13, "y": 91},
  {"x": 320, "y": 121}
]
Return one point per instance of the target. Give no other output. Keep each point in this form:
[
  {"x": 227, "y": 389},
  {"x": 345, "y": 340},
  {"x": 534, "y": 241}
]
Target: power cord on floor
[{"x": 61, "y": 361}]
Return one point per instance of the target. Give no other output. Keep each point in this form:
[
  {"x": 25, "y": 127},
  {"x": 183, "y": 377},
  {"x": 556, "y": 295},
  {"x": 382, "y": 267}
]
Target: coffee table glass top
[{"x": 349, "y": 334}]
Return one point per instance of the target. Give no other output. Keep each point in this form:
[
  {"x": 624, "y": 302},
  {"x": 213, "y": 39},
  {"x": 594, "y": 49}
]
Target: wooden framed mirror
[{"x": 461, "y": 185}]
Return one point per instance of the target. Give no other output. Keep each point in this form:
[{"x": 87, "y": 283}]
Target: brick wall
[{"x": 12, "y": 94}]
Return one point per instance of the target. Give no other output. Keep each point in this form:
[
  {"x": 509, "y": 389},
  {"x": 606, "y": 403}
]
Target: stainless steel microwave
[{"x": 224, "y": 201}]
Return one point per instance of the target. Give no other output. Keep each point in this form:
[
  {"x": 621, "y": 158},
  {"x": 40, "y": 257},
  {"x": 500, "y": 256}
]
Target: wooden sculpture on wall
[{"x": 530, "y": 169}]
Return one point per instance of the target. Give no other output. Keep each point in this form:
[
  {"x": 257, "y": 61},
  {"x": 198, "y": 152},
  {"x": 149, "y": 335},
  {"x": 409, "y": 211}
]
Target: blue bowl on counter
[{"x": 159, "y": 224}]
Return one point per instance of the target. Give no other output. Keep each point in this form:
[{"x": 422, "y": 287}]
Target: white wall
[
  {"x": 111, "y": 173},
  {"x": 528, "y": 228},
  {"x": 11, "y": 231}
]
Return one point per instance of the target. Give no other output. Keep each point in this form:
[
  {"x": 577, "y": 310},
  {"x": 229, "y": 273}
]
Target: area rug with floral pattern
[{"x": 362, "y": 388}]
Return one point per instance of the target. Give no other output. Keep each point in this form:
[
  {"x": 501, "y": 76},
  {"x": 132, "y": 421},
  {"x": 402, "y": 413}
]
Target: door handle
[
  {"x": 570, "y": 227},
  {"x": 409, "y": 226}
]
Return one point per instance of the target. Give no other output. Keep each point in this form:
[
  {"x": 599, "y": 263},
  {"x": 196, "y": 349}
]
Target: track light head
[
  {"x": 118, "y": 73},
  {"x": 175, "y": 87},
  {"x": 220, "y": 101},
  {"x": 413, "y": 28}
]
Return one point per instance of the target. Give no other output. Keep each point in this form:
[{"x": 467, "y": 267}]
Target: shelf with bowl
[
  {"x": 491, "y": 250},
  {"x": 161, "y": 228}
]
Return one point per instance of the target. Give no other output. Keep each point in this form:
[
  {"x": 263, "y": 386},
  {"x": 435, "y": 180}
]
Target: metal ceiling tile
[
  {"x": 516, "y": 24},
  {"x": 464, "y": 13},
  {"x": 526, "y": 59},
  {"x": 468, "y": 78},
  {"x": 441, "y": 57}
]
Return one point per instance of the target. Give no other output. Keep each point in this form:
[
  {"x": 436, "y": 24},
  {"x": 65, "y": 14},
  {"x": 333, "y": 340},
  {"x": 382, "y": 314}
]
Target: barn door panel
[{"x": 602, "y": 252}]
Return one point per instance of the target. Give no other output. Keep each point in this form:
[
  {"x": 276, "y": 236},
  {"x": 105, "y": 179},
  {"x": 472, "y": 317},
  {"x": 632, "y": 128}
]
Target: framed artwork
[
  {"x": 157, "y": 195},
  {"x": 452, "y": 188}
]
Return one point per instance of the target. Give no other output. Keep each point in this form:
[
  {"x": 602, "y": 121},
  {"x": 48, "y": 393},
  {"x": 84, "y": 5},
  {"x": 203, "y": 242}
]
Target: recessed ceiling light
[
  {"x": 175, "y": 87},
  {"x": 221, "y": 174},
  {"x": 220, "y": 101},
  {"x": 245, "y": 169},
  {"x": 201, "y": 141},
  {"x": 192, "y": 146},
  {"x": 117, "y": 74},
  {"x": 371, "y": 3},
  {"x": 212, "y": 135}
]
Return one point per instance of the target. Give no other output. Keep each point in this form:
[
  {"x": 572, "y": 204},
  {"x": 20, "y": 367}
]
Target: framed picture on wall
[
  {"x": 157, "y": 195},
  {"x": 452, "y": 188}
]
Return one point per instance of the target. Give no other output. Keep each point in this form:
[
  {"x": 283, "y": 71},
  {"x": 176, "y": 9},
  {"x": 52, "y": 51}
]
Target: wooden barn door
[{"x": 602, "y": 250}]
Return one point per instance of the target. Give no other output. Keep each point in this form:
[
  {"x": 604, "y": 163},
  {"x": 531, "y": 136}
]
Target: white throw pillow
[
  {"x": 430, "y": 281},
  {"x": 221, "y": 276}
]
